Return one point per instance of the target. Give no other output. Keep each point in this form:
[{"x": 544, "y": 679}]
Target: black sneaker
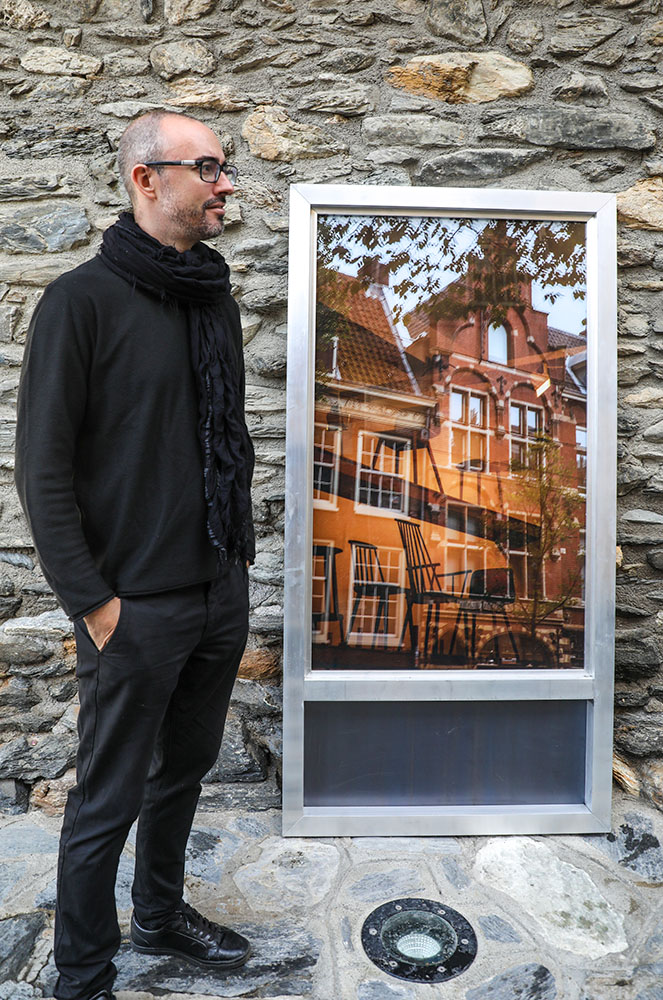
[{"x": 189, "y": 935}]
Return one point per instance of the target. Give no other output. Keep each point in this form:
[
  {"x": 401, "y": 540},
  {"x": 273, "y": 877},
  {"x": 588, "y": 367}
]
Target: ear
[{"x": 143, "y": 181}]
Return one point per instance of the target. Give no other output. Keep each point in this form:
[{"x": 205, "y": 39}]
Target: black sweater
[{"x": 108, "y": 459}]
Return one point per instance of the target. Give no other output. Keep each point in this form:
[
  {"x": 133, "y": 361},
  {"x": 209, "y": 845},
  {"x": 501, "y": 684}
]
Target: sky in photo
[{"x": 567, "y": 312}]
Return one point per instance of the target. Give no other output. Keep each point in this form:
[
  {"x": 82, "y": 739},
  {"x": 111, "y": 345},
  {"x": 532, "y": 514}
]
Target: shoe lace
[{"x": 195, "y": 921}]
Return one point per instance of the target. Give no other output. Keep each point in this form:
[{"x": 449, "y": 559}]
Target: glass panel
[
  {"x": 456, "y": 518},
  {"x": 458, "y": 446},
  {"x": 457, "y": 408},
  {"x": 444, "y": 753},
  {"x": 475, "y": 523},
  {"x": 477, "y": 451},
  {"x": 498, "y": 340},
  {"x": 477, "y": 411},
  {"x": 517, "y": 419},
  {"x": 533, "y": 422},
  {"x": 425, "y": 449}
]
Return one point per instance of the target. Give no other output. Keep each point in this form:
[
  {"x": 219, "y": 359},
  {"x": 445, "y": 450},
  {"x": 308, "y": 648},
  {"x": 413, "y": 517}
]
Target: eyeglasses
[{"x": 210, "y": 170}]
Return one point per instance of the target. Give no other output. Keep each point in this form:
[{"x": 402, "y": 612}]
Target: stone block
[
  {"x": 641, "y": 206},
  {"x": 36, "y": 141},
  {"x": 178, "y": 11},
  {"x": 29, "y": 231},
  {"x": 35, "y": 188},
  {"x": 14, "y": 799},
  {"x": 238, "y": 760},
  {"x": 375, "y": 989},
  {"x": 170, "y": 59},
  {"x": 125, "y": 62},
  {"x": 207, "y": 852},
  {"x": 497, "y": 929},
  {"x": 476, "y": 164},
  {"x": 523, "y": 35},
  {"x": 235, "y": 49},
  {"x": 639, "y": 733},
  {"x": 463, "y": 77},
  {"x": 462, "y": 21},
  {"x": 526, "y": 982},
  {"x": 52, "y": 625},
  {"x": 281, "y": 966},
  {"x": 569, "y": 128},
  {"x": 340, "y": 98},
  {"x": 71, "y": 37},
  {"x": 60, "y": 61},
  {"x": 260, "y": 665},
  {"x": 260, "y": 796},
  {"x": 288, "y": 874},
  {"x": 582, "y": 87},
  {"x": 636, "y": 847},
  {"x": 600, "y": 168},
  {"x": 23, "y": 15},
  {"x": 267, "y": 620},
  {"x": 636, "y": 658},
  {"x": 9, "y": 315},
  {"x": 56, "y": 88},
  {"x": 50, "y": 795},
  {"x": 376, "y": 887},
  {"x": 576, "y": 34},
  {"x": 347, "y": 60},
  {"x": 16, "y": 694},
  {"x": 18, "y": 936},
  {"x": 273, "y": 135},
  {"x": 412, "y": 130},
  {"x": 266, "y": 357},
  {"x": 650, "y": 773},
  {"x": 125, "y": 31},
  {"x": 557, "y": 895},
  {"x": 127, "y": 109},
  {"x": 191, "y": 92},
  {"x": 31, "y": 758}
]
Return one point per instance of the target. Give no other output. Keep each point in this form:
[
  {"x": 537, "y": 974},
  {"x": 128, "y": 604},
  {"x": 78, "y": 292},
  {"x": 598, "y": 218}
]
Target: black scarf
[{"x": 198, "y": 280}]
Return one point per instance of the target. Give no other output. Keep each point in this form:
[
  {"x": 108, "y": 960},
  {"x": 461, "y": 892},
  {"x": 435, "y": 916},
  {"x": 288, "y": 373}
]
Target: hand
[{"x": 102, "y": 623}]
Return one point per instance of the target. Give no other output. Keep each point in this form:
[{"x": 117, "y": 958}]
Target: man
[{"x": 133, "y": 464}]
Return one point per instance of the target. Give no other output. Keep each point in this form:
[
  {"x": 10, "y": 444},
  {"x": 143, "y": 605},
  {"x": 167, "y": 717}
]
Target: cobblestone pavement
[{"x": 568, "y": 917}]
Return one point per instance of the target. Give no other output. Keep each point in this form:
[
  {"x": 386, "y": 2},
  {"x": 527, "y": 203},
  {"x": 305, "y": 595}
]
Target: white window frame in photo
[
  {"x": 319, "y": 502},
  {"x": 367, "y": 508}
]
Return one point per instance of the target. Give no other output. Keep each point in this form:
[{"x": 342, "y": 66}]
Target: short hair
[{"x": 141, "y": 142}]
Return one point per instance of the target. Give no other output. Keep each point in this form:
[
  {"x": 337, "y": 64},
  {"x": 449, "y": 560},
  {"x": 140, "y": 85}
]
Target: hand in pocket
[{"x": 102, "y": 623}]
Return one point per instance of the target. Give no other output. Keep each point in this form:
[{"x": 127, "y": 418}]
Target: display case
[{"x": 450, "y": 522}]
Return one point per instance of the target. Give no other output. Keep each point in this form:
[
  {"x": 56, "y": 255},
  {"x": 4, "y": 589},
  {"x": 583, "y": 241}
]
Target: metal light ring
[{"x": 441, "y": 965}]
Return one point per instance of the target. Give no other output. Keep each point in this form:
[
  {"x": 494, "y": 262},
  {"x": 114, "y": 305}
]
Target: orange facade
[{"x": 448, "y": 484}]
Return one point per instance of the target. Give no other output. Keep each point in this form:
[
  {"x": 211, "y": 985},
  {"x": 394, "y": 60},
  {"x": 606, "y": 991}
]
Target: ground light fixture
[{"x": 420, "y": 940}]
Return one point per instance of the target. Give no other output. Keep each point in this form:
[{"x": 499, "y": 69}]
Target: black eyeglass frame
[{"x": 231, "y": 172}]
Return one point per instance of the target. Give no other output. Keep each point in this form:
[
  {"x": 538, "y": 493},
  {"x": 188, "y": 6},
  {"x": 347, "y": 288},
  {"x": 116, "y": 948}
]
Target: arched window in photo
[{"x": 498, "y": 344}]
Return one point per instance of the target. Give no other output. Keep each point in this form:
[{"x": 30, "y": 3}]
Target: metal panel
[{"x": 594, "y": 683}]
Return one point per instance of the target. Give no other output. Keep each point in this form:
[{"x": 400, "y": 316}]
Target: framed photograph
[{"x": 450, "y": 511}]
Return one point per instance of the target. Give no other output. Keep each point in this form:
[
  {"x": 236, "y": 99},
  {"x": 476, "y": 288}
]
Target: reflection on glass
[
  {"x": 450, "y": 443},
  {"x": 498, "y": 340}
]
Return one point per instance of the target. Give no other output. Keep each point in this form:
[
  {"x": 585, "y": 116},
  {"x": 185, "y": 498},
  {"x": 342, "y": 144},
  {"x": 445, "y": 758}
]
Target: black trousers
[{"x": 153, "y": 704}]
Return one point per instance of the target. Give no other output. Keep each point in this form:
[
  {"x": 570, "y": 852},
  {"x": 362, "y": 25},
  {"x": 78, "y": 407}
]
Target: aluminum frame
[{"x": 594, "y": 683}]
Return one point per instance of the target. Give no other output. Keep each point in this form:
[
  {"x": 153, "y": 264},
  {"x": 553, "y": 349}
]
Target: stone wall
[{"x": 561, "y": 94}]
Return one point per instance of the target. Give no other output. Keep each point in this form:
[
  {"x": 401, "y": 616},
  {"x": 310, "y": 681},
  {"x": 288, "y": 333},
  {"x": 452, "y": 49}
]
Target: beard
[{"x": 193, "y": 224}]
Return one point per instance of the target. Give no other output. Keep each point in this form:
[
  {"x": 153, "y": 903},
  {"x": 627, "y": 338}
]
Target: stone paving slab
[{"x": 556, "y": 918}]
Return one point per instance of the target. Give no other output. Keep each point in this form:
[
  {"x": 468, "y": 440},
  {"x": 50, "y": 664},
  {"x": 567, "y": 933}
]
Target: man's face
[{"x": 192, "y": 209}]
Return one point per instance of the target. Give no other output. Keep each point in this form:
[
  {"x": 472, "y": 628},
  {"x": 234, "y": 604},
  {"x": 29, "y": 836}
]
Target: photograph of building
[{"x": 450, "y": 446}]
